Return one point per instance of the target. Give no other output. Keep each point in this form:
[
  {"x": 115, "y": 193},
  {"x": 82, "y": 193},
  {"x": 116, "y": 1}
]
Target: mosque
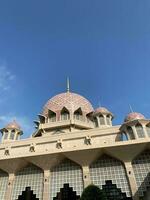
[{"x": 75, "y": 145}]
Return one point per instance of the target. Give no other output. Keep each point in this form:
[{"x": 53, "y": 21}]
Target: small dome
[
  {"x": 13, "y": 125},
  {"x": 134, "y": 116},
  {"x": 70, "y": 101},
  {"x": 102, "y": 110}
]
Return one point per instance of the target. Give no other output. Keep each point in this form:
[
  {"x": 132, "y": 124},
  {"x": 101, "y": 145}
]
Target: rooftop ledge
[
  {"x": 80, "y": 123},
  {"x": 100, "y": 138}
]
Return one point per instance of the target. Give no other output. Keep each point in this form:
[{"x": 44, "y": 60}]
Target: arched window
[
  {"x": 124, "y": 137},
  {"x": 29, "y": 176},
  {"x": 130, "y": 132},
  {"x": 17, "y": 137},
  {"x": 108, "y": 119},
  {"x": 12, "y": 134},
  {"x": 139, "y": 130},
  {"x": 6, "y": 135},
  {"x": 95, "y": 121},
  {"x": 65, "y": 114},
  {"x": 51, "y": 116},
  {"x": 42, "y": 119},
  {"x": 107, "y": 168},
  {"x": 78, "y": 114},
  {"x": 148, "y": 129},
  {"x": 102, "y": 121},
  {"x": 66, "y": 172}
]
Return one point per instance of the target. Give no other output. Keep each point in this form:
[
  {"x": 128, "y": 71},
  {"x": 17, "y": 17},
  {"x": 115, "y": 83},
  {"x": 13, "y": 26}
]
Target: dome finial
[
  {"x": 68, "y": 84},
  {"x": 130, "y": 108},
  {"x": 99, "y": 104}
]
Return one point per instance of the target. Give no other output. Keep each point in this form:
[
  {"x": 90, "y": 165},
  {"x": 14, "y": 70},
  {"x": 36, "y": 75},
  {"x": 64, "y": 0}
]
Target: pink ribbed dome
[
  {"x": 101, "y": 110},
  {"x": 13, "y": 125},
  {"x": 134, "y": 116},
  {"x": 70, "y": 101}
]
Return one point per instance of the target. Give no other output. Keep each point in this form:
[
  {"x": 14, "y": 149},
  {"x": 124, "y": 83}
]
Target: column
[
  {"x": 105, "y": 120},
  {"x": 126, "y": 132},
  {"x": 110, "y": 119},
  {"x": 145, "y": 131},
  {"x": 132, "y": 180},
  {"x": 98, "y": 121},
  {"x": 46, "y": 185},
  {"x": 15, "y": 136},
  {"x": 86, "y": 175},
  {"x": 134, "y": 131},
  {"x": 10, "y": 186}
]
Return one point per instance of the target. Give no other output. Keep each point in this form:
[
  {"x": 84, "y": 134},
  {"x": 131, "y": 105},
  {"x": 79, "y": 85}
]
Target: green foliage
[{"x": 92, "y": 192}]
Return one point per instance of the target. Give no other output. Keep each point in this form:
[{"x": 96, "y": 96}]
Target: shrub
[{"x": 92, "y": 192}]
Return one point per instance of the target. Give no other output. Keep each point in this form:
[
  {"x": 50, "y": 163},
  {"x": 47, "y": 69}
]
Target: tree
[{"x": 92, "y": 192}]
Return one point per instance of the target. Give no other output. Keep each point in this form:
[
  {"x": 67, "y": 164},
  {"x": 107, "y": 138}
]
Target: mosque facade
[{"x": 75, "y": 145}]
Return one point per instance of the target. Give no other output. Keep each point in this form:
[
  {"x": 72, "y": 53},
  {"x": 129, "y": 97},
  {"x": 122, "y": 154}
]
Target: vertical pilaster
[
  {"x": 132, "y": 180},
  {"x": 11, "y": 179},
  {"x": 86, "y": 176},
  {"x": 46, "y": 185}
]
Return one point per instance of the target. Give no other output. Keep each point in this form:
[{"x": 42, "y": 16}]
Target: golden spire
[{"x": 68, "y": 84}]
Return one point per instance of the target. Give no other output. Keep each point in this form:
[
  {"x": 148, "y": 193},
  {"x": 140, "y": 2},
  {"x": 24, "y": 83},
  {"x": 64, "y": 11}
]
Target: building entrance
[
  {"x": 66, "y": 193},
  {"x": 27, "y": 195}
]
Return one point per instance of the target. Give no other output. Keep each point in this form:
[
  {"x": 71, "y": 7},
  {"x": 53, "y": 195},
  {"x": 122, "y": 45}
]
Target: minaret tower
[{"x": 11, "y": 132}]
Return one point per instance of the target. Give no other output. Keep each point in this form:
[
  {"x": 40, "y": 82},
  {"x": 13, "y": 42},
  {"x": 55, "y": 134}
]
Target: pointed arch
[
  {"x": 42, "y": 118},
  {"x": 29, "y": 176},
  {"x": 12, "y": 134},
  {"x": 6, "y": 133},
  {"x": 102, "y": 120},
  {"x": 66, "y": 172},
  {"x": 51, "y": 116},
  {"x": 78, "y": 114},
  {"x": 65, "y": 115},
  {"x": 139, "y": 130},
  {"x": 130, "y": 132},
  {"x": 107, "y": 168}
]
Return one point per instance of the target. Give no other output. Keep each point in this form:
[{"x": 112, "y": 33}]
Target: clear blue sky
[{"x": 102, "y": 45}]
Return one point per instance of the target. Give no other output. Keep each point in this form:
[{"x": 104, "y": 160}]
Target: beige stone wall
[{"x": 82, "y": 147}]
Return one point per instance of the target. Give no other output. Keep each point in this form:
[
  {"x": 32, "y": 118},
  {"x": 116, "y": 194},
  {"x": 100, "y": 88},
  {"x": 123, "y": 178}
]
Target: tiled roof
[
  {"x": 133, "y": 116},
  {"x": 70, "y": 101}
]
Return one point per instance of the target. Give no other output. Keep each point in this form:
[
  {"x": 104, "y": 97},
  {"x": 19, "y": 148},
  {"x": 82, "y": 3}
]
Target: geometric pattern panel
[
  {"x": 3, "y": 184},
  {"x": 66, "y": 193},
  {"x": 141, "y": 167},
  {"x": 27, "y": 195},
  {"x": 66, "y": 172},
  {"x": 112, "y": 192},
  {"x": 30, "y": 176},
  {"x": 107, "y": 168}
]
